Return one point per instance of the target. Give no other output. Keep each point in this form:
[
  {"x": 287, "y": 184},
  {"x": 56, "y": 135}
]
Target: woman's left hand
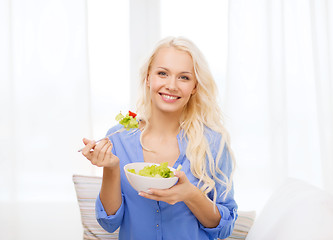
[{"x": 182, "y": 191}]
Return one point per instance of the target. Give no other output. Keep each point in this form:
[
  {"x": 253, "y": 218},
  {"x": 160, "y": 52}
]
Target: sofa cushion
[
  {"x": 87, "y": 188},
  {"x": 295, "y": 211}
]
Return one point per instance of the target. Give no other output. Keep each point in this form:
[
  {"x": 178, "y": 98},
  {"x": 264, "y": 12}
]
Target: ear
[
  {"x": 147, "y": 81},
  {"x": 194, "y": 89}
]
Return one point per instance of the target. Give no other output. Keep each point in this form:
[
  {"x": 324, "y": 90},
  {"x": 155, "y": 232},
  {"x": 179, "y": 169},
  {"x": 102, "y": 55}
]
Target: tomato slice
[{"x": 132, "y": 114}]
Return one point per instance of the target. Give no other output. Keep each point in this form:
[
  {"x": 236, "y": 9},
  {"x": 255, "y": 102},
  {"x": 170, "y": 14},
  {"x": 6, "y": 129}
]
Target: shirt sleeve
[
  {"x": 224, "y": 229},
  {"x": 228, "y": 206},
  {"x": 110, "y": 223}
]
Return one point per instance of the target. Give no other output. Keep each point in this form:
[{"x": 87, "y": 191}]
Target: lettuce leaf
[
  {"x": 161, "y": 171},
  {"x": 127, "y": 121}
]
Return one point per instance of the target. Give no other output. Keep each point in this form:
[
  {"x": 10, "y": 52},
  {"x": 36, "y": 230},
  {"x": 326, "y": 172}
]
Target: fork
[{"x": 118, "y": 131}]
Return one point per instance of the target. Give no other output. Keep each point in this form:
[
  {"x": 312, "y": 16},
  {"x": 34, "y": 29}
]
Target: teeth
[{"x": 169, "y": 97}]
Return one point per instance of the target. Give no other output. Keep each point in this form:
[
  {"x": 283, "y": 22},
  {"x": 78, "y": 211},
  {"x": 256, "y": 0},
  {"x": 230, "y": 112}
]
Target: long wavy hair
[{"x": 201, "y": 111}]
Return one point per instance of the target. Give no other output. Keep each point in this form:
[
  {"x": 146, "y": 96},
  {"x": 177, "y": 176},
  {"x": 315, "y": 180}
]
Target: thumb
[
  {"x": 86, "y": 141},
  {"x": 181, "y": 175}
]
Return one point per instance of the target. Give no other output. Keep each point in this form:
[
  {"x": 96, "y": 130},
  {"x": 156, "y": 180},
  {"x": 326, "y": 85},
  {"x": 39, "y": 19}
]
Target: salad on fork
[{"x": 128, "y": 121}]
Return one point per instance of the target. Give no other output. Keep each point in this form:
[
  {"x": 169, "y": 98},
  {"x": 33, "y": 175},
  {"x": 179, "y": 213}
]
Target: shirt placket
[{"x": 158, "y": 221}]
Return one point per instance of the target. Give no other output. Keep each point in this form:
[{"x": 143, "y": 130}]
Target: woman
[{"x": 180, "y": 123}]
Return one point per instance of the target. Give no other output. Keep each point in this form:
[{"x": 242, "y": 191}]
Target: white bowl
[{"x": 142, "y": 183}]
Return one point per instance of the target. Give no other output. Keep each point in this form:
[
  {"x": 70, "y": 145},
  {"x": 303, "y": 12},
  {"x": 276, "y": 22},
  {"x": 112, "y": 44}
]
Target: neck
[{"x": 164, "y": 123}]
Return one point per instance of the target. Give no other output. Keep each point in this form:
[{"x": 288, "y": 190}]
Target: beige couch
[{"x": 87, "y": 189}]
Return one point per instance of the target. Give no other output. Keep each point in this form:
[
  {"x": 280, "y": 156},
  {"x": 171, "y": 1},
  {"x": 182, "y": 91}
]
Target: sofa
[{"x": 295, "y": 211}]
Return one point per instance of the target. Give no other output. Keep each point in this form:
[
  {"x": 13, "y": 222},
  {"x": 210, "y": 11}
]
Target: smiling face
[{"x": 171, "y": 80}]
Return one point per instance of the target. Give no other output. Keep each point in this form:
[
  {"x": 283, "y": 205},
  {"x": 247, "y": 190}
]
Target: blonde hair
[{"x": 201, "y": 111}]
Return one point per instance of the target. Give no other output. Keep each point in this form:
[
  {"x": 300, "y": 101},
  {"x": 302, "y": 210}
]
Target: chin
[{"x": 169, "y": 109}]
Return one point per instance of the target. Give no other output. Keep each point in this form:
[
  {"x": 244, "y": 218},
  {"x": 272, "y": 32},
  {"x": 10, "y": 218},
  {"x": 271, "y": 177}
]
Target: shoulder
[
  {"x": 213, "y": 137},
  {"x": 217, "y": 143},
  {"x": 220, "y": 150},
  {"x": 113, "y": 129},
  {"x": 126, "y": 137}
]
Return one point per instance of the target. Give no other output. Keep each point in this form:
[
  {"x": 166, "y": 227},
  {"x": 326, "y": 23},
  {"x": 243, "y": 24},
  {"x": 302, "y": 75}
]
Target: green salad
[
  {"x": 128, "y": 121},
  {"x": 155, "y": 171}
]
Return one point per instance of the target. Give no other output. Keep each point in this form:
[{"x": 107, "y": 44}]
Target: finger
[
  {"x": 103, "y": 153},
  {"x": 98, "y": 154},
  {"x": 181, "y": 176},
  {"x": 149, "y": 196},
  {"x": 86, "y": 151},
  {"x": 101, "y": 144},
  {"x": 160, "y": 192},
  {"x": 109, "y": 154},
  {"x": 171, "y": 200},
  {"x": 85, "y": 141}
]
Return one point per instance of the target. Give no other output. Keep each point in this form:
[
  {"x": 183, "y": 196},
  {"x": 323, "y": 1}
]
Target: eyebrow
[{"x": 169, "y": 70}]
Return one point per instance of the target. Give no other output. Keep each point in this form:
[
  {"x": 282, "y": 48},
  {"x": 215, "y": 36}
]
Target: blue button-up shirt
[{"x": 141, "y": 218}]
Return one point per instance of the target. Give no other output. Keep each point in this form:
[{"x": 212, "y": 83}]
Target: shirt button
[
  {"x": 157, "y": 225},
  {"x": 157, "y": 211}
]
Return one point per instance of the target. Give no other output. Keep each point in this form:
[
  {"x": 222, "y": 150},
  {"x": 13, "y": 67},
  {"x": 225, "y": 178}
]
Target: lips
[{"x": 169, "y": 98}]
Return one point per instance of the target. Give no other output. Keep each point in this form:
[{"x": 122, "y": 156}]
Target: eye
[
  {"x": 185, "y": 78},
  {"x": 163, "y": 74}
]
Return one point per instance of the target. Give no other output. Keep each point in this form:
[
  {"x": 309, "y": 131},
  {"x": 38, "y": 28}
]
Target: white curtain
[
  {"x": 45, "y": 110},
  {"x": 279, "y": 95},
  {"x": 65, "y": 74}
]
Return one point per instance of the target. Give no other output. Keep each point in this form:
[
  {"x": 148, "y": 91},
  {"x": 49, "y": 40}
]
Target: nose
[{"x": 171, "y": 84}]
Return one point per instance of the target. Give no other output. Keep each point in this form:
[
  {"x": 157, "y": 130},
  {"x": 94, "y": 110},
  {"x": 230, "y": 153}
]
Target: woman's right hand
[{"x": 100, "y": 154}]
